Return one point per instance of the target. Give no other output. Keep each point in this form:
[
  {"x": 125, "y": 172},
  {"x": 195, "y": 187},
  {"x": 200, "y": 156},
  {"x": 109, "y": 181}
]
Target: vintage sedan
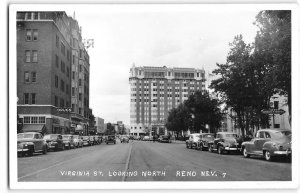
[
  {"x": 225, "y": 142},
  {"x": 204, "y": 140},
  {"x": 269, "y": 143},
  {"x": 54, "y": 142},
  {"x": 86, "y": 140},
  {"x": 78, "y": 142},
  {"x": 111, "y": 139},
  {"x": 31, "y": 142},
  {"x": 68, "y": 141},
  {"x": 192, "y": 140}
]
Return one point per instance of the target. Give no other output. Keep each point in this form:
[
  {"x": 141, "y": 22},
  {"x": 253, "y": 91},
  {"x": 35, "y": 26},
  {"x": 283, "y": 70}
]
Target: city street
[{"x": 147, "y": 161}]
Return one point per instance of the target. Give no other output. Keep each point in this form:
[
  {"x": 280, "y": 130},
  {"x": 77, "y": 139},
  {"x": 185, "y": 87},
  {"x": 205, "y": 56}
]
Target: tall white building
[{"x": 154, "y": 91}]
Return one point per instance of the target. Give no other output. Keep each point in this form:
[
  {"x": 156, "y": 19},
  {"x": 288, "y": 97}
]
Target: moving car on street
[
  {"x": 204, "y": 140},
  {"x": 78, "y": 142},
  {"x": 111, "y": 139},
  {"x": 269, "y": 143},
  {"x": 192, "y": 142},
  {"x": 225, "y": 141},
  {"x": 31, "y": 142},
  {"x": 68, "y": 140},
  {"x": 124, "y": 139},
  {"x": 165, "y": 139},
  {"x": 54, "y": 142}
]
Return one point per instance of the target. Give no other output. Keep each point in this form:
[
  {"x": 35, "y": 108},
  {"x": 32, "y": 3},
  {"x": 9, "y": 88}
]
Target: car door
[
  {"x": 217, "y": 140},
  {"x": 259, "y": 142},
  {"x": 39, "y": 142}
]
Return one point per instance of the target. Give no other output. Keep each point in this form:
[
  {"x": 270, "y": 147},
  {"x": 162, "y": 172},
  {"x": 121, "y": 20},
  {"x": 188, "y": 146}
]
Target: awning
[{"x": 34, "y": 128}]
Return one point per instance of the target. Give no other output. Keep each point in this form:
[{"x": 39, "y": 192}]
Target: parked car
[
  {"x": 269, "y": 143},
  {"x": 68, "y": 140},
  {"x": 165, "y": 139},
  {"x": 86, "y": 141},
  {"x": 111, "y": 139},
  {"x": 204, "y": 140},
  {"x": 225, "y": 141},
  {"x": 54, "y": 142},
  {"x": 78, "y": 142},
  {"x": 31, "y": 142},
  {"x": 96, "y": 140},
  {"x": 193, "y": 140},
  {"x": 92, "y": 140}
]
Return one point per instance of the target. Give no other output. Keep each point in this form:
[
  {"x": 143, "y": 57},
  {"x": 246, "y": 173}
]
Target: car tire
[
  {"x": 245, "y": 154},
  {"x": 30, "y": 151},
  {"x": 187, "y": 146},
  {"x": 201, "y": 147},
  {"x": 220, "y": 150},
  {"x": 45, "y": 150},
  {"x": 268, "y": 156}
]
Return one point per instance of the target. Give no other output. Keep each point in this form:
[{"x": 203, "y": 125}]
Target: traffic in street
[{"x": 140, "y": 160}]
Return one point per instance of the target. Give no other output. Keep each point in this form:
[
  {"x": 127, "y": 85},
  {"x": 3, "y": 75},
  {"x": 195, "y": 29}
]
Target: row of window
[
  {"x": 31, "y": 56},
  {"x": 34, "y": 120},
  {"x": 31, "y": 35},
  {"x": 62, "y": 85}
]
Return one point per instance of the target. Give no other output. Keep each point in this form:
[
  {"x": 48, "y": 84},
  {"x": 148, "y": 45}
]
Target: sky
[{"x": 174, "y": 36}]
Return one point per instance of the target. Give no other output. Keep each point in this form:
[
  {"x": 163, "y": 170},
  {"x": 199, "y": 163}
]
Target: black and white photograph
[{"x": 199, "y": 94}]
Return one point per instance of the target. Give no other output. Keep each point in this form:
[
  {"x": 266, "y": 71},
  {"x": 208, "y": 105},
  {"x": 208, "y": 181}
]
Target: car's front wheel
[
  {"x": 245, "y": 154},
  {"x": 220, "y": 150},
  {"x": 268, "y": 156}
]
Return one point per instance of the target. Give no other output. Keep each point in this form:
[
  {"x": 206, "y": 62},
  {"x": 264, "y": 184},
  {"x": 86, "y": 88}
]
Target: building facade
[
  {"x": 154, "y": 91},
  {"x": 44, "y": 70},
  {"x": 100, "y": 125}
]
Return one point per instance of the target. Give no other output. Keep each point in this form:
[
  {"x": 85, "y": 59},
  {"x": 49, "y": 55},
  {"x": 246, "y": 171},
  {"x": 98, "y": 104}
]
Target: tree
[
  {"x": 273, "y": 49},
  {"x": 178, "y": 119}
]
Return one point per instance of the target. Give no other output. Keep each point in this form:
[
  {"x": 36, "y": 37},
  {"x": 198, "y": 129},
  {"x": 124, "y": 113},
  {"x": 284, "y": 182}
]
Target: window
[
  {"x": 73, "y": 91},
  {"x": 62, "y": 85},
  {"x": 80, "y": 96},
  {"x": 26, "y": 98},
  {"x": 276, "y": 125},
  {"x": 62, "y": 67},
  {"x": 56, "y": 61},
  {"x": 33, "y": 76},
  {"x": 28, "y": 15},
  {"x": 57, "y": 41},
  {"x": 68, "y": 72},
  {"x": 28, "y": 35},
  {"x": 56, "y": 81},
  {"x": 26, "y": 77},
  {"x": 73, "y": 75},
  {"x": 35, "y": 34},
  {"x": 33, "y": 98},
  {"x": 73, "y": 107},
  {"x": 62, "y": 48},
  {"x": 261, "y": 135},
  {"x": 34, "y": 120},
  {"x": 68, "y": 55},
  {"x": 80, "y": 83},
  {"x": 56, "y": 101},
  {"x": 73, "y": 59},
  {"x": 62, "y": 102},
  {"x": 34, "y": 56},
  {"x": 79, "y": 111},
  {"x": 276, "y": 103},
  {"x": 268, "y": 135},
  {"x": 80, "y": 68},
  {"x": 80, "y": 53},
  {"x": 26, "y": 119},
  {"x": 42, "y": 120},
  {"x": 27, "y": 55},
  {"x": 35, "y": 15}
]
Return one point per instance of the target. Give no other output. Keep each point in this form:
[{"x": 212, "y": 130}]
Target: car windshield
[
  {"x": 50, "y": 136},
  {"x": 231, "y": 135},
  {"x": 208, "y": 136},
  {"x": 66, "y": 137},
  {"x": 25, "y": 136}
]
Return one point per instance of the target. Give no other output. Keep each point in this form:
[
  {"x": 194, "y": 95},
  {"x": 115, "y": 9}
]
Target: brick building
[
  {"x": 154, "y": 91},
  {"x": 44, "y": 70}
]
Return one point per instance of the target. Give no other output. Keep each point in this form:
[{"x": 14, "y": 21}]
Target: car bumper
[
  {"x": 287, "y": 152},
  {"x": 85, "y": 143},
  {"x": 231, "y": 148},
  {"x": 23, "y": 150}
]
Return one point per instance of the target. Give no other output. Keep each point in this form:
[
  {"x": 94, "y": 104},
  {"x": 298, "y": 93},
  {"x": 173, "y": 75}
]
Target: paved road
[{"x": 147, "y": 161}]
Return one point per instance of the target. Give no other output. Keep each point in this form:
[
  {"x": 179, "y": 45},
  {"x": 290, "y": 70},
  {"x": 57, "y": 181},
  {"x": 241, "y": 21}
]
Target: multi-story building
[
  {"x": 100, "y": 125},
  {"x": 154, "y": 91},
  {"x": 44, "y": 55}
]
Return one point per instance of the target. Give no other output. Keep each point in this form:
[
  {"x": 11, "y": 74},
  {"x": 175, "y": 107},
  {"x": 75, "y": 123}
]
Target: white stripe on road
[{"x": 127, "y": 163}]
